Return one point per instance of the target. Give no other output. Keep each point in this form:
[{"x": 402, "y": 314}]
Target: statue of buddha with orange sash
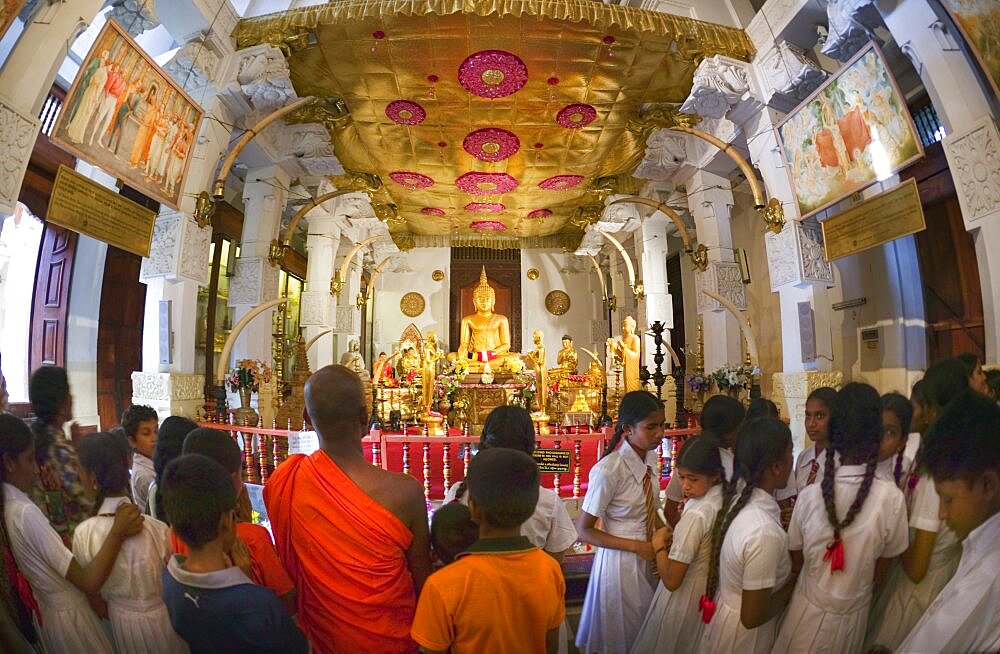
[{"x": 485, "y": 336}]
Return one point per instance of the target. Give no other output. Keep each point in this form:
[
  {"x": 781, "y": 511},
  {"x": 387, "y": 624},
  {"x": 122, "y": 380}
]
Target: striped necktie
[
  {"x": 813, "y": 469},
  {"x": 652, "y": 520}
]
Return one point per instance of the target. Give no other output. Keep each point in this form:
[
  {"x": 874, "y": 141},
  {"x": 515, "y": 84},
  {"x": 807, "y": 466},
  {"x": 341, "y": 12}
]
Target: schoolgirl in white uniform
[
  {"x": 934, "y": 550},
  {"x": 839, "y": 557},
  {"x": 622, "y": 492},
  {"x": 893, "y": 463},
  {"x": 139, "y": 619},
  {"x": 65, "y": 621},
  {"x": 673, "y": 622},
  {"x": 749, "y": 578},
  {"x": 812, "y": 460}
]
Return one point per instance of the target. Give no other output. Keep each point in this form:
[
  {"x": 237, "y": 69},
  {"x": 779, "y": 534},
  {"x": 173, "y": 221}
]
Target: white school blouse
[
  {"x": 139, "y": 619},
  {"x": 68, "y": 622},
  {"x": 804, "y": 463},
  {"x": 674, "y": 493},
  {"x": 902, "y": 602},
  {"x": 754, "y": 556},
  {"x": 828, "y": 611},
  {"x": 673, "y": 623},
  {"x": 964, "y": 616}
]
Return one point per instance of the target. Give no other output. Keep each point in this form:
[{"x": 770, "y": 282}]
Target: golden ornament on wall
[
  {"x": 412, "y": 304},
  {"x": 437, "y": 275},
  {"x": 557, "y": 302},
  {"x": 532, "y": 274}
]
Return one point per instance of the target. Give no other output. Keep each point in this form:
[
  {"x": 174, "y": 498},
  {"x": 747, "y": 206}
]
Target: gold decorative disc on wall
[
  {"x": 412, "y": 304},
  {"x": 532, "y": 274},
  {"x": 557, "y": 302},
  {"x": 437, "y": 275}
]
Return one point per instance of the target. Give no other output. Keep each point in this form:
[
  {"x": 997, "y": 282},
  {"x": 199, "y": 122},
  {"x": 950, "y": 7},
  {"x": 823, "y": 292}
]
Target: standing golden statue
[
  {"x": 627, "y": 349},
  {"x": 428, "y": 372},
  {"x": 537, "y": 359},
  {"x": 485, "y": 336}
]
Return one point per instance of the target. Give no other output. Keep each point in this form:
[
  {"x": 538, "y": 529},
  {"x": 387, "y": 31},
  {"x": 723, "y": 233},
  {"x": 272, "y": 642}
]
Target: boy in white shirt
[
  {"x": 962, "y": 454},
  {"x": 140, "y": 423}
]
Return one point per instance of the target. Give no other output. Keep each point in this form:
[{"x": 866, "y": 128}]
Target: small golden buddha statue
[
  {"x": 429, "y": 369},
  {"x": 537, "y": 358},
  {"x": 485, "y": 336},
  {"x": 566, "y": 359},
  {"x": 410, "y": 359}
]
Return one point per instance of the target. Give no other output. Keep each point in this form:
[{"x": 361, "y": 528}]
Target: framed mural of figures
[
  {"x": 979, "y": 21},
  {"x": 124, "y": 114},
  {"x": 851, "y": 132},
  {"x": 9, "y": 9}
]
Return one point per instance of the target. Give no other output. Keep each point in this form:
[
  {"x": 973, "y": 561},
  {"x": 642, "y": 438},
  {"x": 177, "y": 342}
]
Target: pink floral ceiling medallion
[
  {"x": 404, "y": 112},
  {"x": 487, "y": 226},
  {"x": 491, "y": 144},
  {"x": 540, "y": 213},
  {"x": 486, "y": 183},
  {"x": 411, "y": 180},
  {"x": 432, "y": 211},
  {"x": 491, "y": 207},
  {"x": 560, "y": 182},
  {"x": 492, "y": 74},
  {"x": 573, "y": 116}
]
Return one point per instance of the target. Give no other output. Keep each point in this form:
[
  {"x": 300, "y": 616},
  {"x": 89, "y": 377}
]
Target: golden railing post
[
  {"x": 446, "y": 449},
  {"x": 466, "y": 458},
  {"x": 427, "y": 469},
  {"x": 576, "y": 469},
  {"x": 406, "y": 456},
  {"x": 555, "y": 477}
]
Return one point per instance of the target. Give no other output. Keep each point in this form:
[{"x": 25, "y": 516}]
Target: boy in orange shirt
[
  {"x": 503, "y": 595},
  {"x": 265, "y": 567}
]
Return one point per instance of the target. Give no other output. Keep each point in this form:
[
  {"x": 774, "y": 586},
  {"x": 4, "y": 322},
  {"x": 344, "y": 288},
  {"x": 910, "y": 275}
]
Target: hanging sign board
[
  {"x": 551, "y": 460},
  {"x": 880, "y": 219},
  {"x": 84, "y": 206}
]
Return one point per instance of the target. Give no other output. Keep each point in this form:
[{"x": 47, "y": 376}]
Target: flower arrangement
[
  {"x": 699, "y": 382},
  {"x": 731, "y": 377},
  {"x": 523, "y": 399},
  {"x": 446, "y": 384},
  {"x": 248, "y": 373},
  {"x": 462, "y": 367},
  {"x": 515, "y": 365}
]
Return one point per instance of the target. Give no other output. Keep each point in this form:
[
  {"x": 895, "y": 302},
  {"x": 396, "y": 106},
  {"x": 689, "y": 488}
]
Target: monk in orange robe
[{"x": 353, "y": 537}]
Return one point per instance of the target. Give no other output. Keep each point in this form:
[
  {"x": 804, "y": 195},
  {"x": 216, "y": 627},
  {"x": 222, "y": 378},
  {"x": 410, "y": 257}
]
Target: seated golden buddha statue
[
  {"x": 410, "y": 360},
  {"x": 566, "y": 360},
  {"x": 485, "y": 336}
]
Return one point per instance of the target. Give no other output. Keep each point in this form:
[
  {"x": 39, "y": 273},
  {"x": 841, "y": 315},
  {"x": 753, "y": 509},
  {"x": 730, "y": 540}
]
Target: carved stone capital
[
  {"x": 136, "y": 16},
  {"x": 310, "y": 145},
  {"x": 975, "y": 165},
  {"x": 262, "y": 73},
  {"x": 618, "y": 217},
  {"x": 179, "y": 251},
  {"x": 665, "y": 153},
  {"x": 724, "y": 278},
  {"x": 722, "y": 86},
  {"x": 254, "y": 282},
  {"x": 796, "y": 256},
  {"x": 168, "y": 393},
  {"x": 787, "y": 75},
  {"x": 316, "y": 308},
  {"x": 851, "y": 25},
  {"x": 17, "y": 138},
  {"x": 195, "y": 65}
]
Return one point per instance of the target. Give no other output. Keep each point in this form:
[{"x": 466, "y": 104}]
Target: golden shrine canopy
[{"x": 514, "y": 116}]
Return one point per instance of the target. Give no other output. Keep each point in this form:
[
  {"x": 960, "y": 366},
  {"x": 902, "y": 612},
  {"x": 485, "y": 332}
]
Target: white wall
[
  {"x": 81, "y": 328},
  {"x": 419, "y": 264}
]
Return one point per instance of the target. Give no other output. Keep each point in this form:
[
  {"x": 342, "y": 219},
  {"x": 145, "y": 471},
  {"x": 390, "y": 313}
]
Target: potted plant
[{"x": 245, "y": 379}]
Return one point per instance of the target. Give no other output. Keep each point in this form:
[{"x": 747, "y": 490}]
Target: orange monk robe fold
[{"x": 347, "y": 555}]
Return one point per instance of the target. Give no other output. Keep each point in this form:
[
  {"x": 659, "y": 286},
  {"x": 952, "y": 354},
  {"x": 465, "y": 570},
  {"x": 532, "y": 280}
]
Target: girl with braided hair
[
  {"x": 811, "y": 462},
  {"x": 839, "y": 556},
  {"x": 621, "y": 494},
  {"x": 934, "y": 550},
  {"x": 749, "y": 576},
  {"x": 673, "y": 622},
  {"x": 893, "y": 464}
]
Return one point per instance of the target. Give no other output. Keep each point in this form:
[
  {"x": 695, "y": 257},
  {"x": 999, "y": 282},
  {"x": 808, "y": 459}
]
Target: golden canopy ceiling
[{"x": 562, "y": 55}]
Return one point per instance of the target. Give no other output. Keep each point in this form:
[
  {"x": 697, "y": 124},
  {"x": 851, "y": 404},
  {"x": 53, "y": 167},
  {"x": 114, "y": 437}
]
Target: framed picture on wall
[
  {"x": 9, "y": 9},
  {"x": 124, "y": 114},
  {"x": 851, "y": 132},
  {"x": 979, "y": 21}
]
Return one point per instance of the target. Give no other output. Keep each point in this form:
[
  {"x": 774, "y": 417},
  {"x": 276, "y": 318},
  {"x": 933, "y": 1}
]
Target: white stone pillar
[
  {"x": 256, "y": 280},
  {"x": 653, "y": 272},
  {"x": 316, "y": 303},
  {"x": 711, "y": 201}
]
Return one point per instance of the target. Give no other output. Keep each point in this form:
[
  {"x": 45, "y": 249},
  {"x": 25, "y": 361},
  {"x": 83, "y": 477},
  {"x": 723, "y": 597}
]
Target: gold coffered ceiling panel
[{"x": 612, "y": 59}]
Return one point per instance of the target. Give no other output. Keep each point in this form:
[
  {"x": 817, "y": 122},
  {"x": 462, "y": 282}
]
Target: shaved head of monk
[{"x": 335, "y": 403}]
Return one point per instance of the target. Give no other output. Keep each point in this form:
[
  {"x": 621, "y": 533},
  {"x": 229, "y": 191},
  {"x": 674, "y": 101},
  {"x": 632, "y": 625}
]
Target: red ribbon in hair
[
  {"x": 835, "y": 555},
  {"x": 707, "y": 607},
  {"x": 21, "y": 586}
]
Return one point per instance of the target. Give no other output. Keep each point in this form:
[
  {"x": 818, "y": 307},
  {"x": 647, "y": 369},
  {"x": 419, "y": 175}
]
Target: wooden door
[
  {"x": 119, "y": 334},
  {"x": 50, "y": 306}
]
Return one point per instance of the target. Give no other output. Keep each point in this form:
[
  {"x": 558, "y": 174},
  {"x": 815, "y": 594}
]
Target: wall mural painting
[
  {"x": 979, "y": 21},
  {"x": 124, "y": 114},
  {"x": 853, "y": 131},
  {"x": 9, "y": 9}
]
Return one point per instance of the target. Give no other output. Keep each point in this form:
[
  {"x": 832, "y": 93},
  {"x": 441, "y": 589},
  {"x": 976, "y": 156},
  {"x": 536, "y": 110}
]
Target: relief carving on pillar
[
  {"x": 163, "y": 250},
  {"x": 315, "y": 309},
  {"x": 618, "y": 217},
  {"x": 136, "y": 16},
  {"x": 724, "y": 278},
  {"x": 665, "y": 153},
  {"x": 179, "y": 250},
  {"x": 722, "y": 86},
  {"x": 194, "y": 66},
  {"x": 345, "y": 320},
  {"x": 254, "y": 282},
  {"x": 852, "y": 24},
  {"x": 815, "y": 267},
  {"x": 782, "y": 259},
  {"x": 17, "y": 138},
  {"x": 262, "y": 74},
  {"x": 796, "y": 255},
  {"x": 311, "y": 146},
  {"x": 167, "y": 386},
  {"x": 788, "y": 75},
  {"x": 975, "y": 165}
]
